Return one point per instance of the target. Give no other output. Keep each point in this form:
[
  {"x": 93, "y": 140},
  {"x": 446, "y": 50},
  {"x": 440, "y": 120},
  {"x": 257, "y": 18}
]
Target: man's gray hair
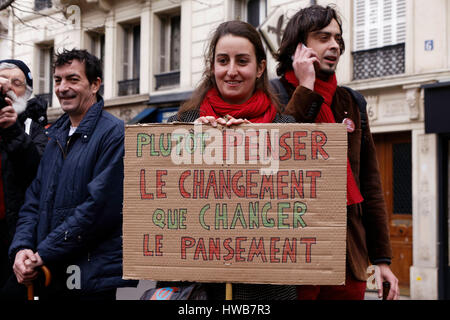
[{"x": 7, "y": 66}]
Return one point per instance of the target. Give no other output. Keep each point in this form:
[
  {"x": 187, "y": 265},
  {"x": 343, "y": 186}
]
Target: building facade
[{"x": 398, "y": 56}]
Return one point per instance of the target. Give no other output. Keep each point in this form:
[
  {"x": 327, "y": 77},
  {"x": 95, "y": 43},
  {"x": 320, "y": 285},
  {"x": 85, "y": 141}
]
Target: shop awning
[{"x": 143, "y": 116}]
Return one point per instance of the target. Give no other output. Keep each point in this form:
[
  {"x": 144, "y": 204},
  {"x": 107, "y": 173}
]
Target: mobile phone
[
  {"x": 2, "y": 100},
  {"x": 303, "y": 46}
]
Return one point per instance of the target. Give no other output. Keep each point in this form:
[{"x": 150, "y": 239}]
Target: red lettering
[
  {"x": 251, "y": 184},
  {"x": 299, "y": 146},
  {"x": 274, "y": 250},
  {"x": 214, "y": 248},
  {"x": 159, "y": 184},
  {"x": 198, "y": 184},
  {"x": 144, "y": 194},
  {"x": 158, "y": 245},
  {"x": 281, "y": 184},
  {"x": 256, "y": 250},
  {"x": 266, "y": 185},
  {"x": 183, "y": 177},
  {"x": 186, "y": 243},
  {"x": 317, "y": 145},
  {"x": 147, "y": 252},
  {"x": 289, "y": 250},
  {"x": 251, "y": 148},
  {"x": 226, "y": 244},
  {"x": 297, "y": 184},
  {"x": 239, "y": 249},
  {"x": 200, "y": 249},
  {"x": 225, "y": 185},
  {"x": 309, "y": 242},
  {"x": 211, "y": 184},
  {"x": 313, "y": 175},
  {"x": 238, "y": 191},
  {"x": 288, "y": 151}
]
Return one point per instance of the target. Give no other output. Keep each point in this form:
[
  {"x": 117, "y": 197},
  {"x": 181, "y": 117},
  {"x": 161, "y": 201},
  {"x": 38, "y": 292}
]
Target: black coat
[{"x": 20, "y": 157}]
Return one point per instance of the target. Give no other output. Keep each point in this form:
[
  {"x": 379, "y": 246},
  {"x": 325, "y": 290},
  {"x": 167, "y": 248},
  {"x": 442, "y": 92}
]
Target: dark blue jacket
[{"x": 72, "y": 214}]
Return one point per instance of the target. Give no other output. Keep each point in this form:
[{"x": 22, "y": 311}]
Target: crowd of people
[{"x": 61, "y": 190}]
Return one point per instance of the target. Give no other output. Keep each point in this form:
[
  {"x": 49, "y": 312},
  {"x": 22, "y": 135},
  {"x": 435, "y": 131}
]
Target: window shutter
[
  {"x": 387, "y": 22},
  {"x": 401, "y": 21},
  {"x": 136, "y": 51},
  {"x": 175, "y": 42},
  {"x": 360, "y": 9},
  {"x": 379, "y": 23},
  {"x": 125, "y": 53},
  {"x": 41, "y": 71}
]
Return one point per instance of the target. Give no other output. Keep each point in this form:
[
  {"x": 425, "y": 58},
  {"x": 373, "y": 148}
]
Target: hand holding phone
[{"x": 303, "y": 64}]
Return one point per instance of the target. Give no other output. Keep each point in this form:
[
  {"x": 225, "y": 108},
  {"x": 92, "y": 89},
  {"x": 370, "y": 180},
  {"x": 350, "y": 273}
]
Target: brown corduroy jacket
[{"x": 367, "y": 222}]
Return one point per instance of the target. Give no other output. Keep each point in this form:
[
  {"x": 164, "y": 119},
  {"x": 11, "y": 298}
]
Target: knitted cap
[{"x": 22, "y": 66}]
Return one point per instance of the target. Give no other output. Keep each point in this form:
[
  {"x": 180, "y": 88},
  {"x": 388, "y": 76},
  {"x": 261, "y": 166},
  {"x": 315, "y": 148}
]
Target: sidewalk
[{"x": 136, "y": 293}]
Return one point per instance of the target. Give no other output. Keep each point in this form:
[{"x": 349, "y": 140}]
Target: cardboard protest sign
[{"x": 252, "y": 203}]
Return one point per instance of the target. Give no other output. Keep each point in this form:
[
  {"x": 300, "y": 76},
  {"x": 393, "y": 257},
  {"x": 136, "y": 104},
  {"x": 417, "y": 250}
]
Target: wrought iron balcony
[
  {"x": 128, "y": 87},
  {"x": 42, "y": 4},
  {"x": 167, "y": 79},
  {"x": 380, "y": 62}
]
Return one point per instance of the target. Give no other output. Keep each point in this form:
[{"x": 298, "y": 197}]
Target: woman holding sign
[{"x": 235, "y": 90}]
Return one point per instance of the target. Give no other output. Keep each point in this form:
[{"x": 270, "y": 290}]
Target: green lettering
[
  {"x": 202, "y": 216},
  {"x": 238, "y": 215},
  {"x": 165, "y": 151},
  {"x": 142, "y": 140},
  {"x": 253, "y": 211},
  {"x": 268, "y": 223},
  {"x": 158, "y": 218},
  {"x": 282, "y": 215},
  {"x": 299, "y": 210},
  {"x": 221, "y": 217},
  {"x": 172, "y": 219},
  {"x": 183, "y": 218}
]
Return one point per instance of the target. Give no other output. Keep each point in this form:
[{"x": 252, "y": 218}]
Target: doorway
[{"x": 394, "y": 155}]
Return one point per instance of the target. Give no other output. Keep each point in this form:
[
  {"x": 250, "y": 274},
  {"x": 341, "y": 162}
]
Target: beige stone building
[{"x": 398, "y": 56}]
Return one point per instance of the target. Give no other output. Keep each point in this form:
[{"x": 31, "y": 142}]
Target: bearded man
[{"x": 22, "y": 142}]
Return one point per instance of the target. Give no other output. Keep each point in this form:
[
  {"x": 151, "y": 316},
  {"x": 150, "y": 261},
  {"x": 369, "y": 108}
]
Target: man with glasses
[{"x": 22, "y": 142}]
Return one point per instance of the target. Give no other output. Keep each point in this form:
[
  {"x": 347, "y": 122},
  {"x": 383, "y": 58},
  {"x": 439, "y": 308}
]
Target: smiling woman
[
  {"x": 234, "y": 90},
  {"x": 235, "y": 81}
]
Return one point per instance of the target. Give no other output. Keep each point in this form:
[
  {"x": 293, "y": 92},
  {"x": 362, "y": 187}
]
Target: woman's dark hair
[
  {"x": 238, "y": 29},
  {"x": 306, "y": 20},
  {"x": 93, "y": 66}
]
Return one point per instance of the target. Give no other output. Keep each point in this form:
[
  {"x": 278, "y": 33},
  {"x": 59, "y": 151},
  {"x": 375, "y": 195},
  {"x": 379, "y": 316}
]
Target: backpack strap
[
  {"x": 280, "y": 90},
  {"x": 362, "y": 105}
]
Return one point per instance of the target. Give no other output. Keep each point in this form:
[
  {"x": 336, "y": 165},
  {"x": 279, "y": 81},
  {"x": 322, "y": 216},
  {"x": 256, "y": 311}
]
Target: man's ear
[{"x": 95, "y": 85}]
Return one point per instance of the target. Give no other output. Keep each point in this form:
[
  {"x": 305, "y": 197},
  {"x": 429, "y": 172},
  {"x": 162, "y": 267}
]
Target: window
[
  {"x": 131, "y": 51},
  {"x": 169, "y": 51},
  {"x": 45, "y": 79},
  {"x": 251, "y": 11},
  {"x": 96, "y": 46},
  {"x": 379, "y": 38},
  {"x": 42, "y": 4}
]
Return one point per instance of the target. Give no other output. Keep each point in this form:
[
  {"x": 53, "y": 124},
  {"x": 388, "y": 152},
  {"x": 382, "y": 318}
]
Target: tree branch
[{"x": 5, "y": 4}]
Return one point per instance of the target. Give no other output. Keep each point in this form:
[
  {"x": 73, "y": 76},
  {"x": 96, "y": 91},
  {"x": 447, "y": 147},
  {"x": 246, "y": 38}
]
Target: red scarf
[
  {"x": 257, "y": 109},
  {"x": 327, "y": 89}
]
